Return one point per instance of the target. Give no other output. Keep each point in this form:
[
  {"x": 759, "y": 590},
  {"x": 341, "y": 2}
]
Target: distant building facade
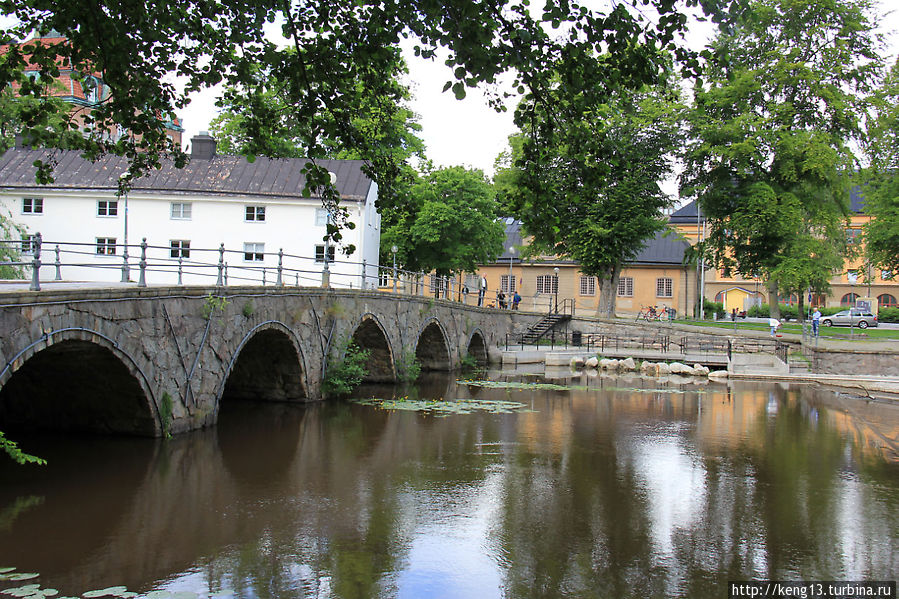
[{"x": 847, "y": 286}]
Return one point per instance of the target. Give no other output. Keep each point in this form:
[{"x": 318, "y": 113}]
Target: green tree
[
  {"x": 153, "y": 56},
  {"x": 587, "y": 187},
  {"x": 452, "y": 226},
  {"x": 881, "y": 185},
  {"x": 771, "y": 130}
]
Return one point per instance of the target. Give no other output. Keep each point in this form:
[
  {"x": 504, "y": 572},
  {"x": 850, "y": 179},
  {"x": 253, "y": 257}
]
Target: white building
[{"x": 256, "y": 209}]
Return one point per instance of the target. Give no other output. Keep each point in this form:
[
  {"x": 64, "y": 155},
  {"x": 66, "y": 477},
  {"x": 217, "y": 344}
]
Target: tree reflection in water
[{"x": 624, "y": 488}]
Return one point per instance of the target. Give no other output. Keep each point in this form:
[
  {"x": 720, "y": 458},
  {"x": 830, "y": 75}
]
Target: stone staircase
[
  {"x": 759, "y": 363},
  {"x": 542, "y": 327}
]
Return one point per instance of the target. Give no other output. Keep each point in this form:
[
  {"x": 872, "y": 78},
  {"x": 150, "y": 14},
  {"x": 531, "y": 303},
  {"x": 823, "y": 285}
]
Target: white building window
[
  {"x": 664, "y": 287},
  {"x": 507, "y": 283},
  {"x": 383, "y": 278},
  {"x": 32, "y": 205},
  {"x": 321, "y": 217},
  {"x": 179, "y": 248},
  {"x": 181, "y": 210},
  {"x": 107, "y": 208},
  {"x": 106, "y": 246},
  {"x": 588, "y": 285},
  {"x": 547, "y": 284},
  {"x": 254, "y": 252},
  {"x": 255, "y": 214},
  {"x": 320, "y": 253},
  {"x": 886, "y": 275},
  {"x": 29, "y": 243},
  {"x": 626, "y": 286}
]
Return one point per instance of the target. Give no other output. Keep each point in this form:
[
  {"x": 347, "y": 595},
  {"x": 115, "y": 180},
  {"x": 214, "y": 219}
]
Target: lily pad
[
  {"x": 118, "y": 591},
  {"x": 6, "y": 569},
  {"x": 17, "y": 576},
  {"x": 521, "y": 386},
  {"x": 444, "y": 407},
  {"x": 159, "y": 595}
]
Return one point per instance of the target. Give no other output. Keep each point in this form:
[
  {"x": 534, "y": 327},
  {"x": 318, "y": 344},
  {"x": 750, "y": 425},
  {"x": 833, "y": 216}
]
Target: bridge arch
[
  {"x": 268, "y": 364},
  {"x": 81, "y": 380},
  {"x": 477, "y": 347},
  {"x": 370, "y": 334},
  {"x": 432, "y": 350}
]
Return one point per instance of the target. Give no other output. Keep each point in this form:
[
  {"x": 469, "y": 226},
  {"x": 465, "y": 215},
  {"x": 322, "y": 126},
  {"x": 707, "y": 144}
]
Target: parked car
[{"x": 853, "y": 317}]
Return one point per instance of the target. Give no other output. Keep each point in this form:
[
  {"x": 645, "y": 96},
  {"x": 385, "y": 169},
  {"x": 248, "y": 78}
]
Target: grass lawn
[{"x": 795, "y": 328}]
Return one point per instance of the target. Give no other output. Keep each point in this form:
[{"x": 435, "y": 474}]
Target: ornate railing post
[
  {"x": 180, "y": 268},
  {"x": 36, "y": 263},
  {"x": 280, "y": 281},
  {"x": 142, "y": 281},
  {"x": 58, "y": 265},
  {"x": 221, "y": 280},
  {"x": 226, "y": 274},
  {"x": 364, "y": 268}
]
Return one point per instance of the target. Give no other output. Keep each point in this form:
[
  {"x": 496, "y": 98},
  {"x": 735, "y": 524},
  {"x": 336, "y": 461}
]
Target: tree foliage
[
  {"x": 587, "y": 187},
  {"x": 881, "y": 184},
  {"x": 154, "y": 55},
  {"x": 771, "y": 130},
  {"x": 452, "y": 225}
]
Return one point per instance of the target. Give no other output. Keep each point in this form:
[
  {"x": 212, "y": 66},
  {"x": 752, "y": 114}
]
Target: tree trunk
[
  {"x": 800, "y": 309},
  {"x": 773, "y": 299},
  {"x": 608, "y": 291}
]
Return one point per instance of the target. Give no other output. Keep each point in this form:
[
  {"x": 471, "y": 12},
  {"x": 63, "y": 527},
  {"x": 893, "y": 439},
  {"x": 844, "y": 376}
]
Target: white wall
[{"x": 71, "y": 218}]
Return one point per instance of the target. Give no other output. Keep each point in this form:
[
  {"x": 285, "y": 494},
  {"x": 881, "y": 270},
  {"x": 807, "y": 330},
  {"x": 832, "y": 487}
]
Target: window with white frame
[
  {"x": 588, "y": 285},
  {"x": 179, "y": 248},
  {"x": 29, "y": 243},
  {"x": 626, "y": 286},
  {"x": 32, "y": 205},
  {"x": 507, "y": 283},
  {"x": 254, "y": 252},
  {"x": 107, "y": 208},
  {"x": 106, "y": 246},
  {"x": 321, "y": 217},
  {"x": 181, "y": 210},
  {"x": 320, "y": 253},
  {"x": 383, "y": 278},
  {"x": 255, "y": 214},
  {"x": 547, "y": 284},
  {"x": 664, "y": 287},
  {"x": 886, "y": 275}
]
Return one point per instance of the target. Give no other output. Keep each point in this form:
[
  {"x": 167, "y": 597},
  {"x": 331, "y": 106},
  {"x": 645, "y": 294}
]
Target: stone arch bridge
[{"x": 159, "y": 360}]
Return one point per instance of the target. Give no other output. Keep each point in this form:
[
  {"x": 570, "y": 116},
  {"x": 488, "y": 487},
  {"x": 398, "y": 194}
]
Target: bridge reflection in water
[{"x": 613, "y": 487}]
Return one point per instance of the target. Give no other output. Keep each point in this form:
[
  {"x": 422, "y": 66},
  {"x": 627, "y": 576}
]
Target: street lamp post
[
  {"x": 126, "y": 268},
  {"x": 394, "y": 249},
  {"x": 556, "y": 286},
  {"x": 511, "y": 254}
]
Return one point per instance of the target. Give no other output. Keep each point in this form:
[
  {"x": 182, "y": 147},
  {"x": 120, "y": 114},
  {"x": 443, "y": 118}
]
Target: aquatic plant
[{"x": 444, "y": 407}]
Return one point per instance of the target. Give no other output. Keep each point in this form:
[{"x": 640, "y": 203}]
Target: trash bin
[{"x": 575, "y": 337}]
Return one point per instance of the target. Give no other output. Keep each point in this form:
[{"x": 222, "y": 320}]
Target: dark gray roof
[
  {"x": 661, "y": 250},
  {"x": 684, "y": 214},
  {"x": 687, "y": 213},
  {"x": 222, "y": 175}
]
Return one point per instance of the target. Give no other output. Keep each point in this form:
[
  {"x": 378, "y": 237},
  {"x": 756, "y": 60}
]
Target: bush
[
  {"x": 713, "y": 308},
  {"x": 760, "y": 311},
  {"x": 345, "y": 375},
  {"x": 888, "y": 315}
]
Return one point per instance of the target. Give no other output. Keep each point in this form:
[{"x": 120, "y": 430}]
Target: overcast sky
[{"x": 458, "y": 132}]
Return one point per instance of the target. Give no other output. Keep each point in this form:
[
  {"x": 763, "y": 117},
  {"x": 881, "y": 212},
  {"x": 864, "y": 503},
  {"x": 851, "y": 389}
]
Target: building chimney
[{"x": 202, "y": 146}]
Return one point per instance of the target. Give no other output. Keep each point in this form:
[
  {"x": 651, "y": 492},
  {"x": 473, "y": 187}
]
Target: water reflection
[{"x": 625, "y": 487}]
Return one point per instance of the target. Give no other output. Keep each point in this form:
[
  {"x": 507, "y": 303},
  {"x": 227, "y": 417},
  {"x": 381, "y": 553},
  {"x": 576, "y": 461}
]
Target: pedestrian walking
[
  {"x": 816, "y": 321},
  {"x": 482, "y": 290}
]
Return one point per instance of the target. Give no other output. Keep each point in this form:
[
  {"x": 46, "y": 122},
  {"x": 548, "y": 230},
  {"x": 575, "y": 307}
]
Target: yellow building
[
  {"x": 851, "y": 284},
  {"x": 656, "y": 277}
]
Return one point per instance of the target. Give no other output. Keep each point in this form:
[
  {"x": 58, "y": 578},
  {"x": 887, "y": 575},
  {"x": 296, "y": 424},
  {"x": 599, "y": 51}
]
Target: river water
[{"x": 600, "y": 487}]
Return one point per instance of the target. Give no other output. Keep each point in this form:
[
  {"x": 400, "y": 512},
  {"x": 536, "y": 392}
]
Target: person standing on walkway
[
  {"x": 482, "y": 290},
  {"x": 501, "y": 299},
  {"x": 516, "y": 299},
  {"x": 774, "y": 324},
  {"x": 816, "y": 321}
]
